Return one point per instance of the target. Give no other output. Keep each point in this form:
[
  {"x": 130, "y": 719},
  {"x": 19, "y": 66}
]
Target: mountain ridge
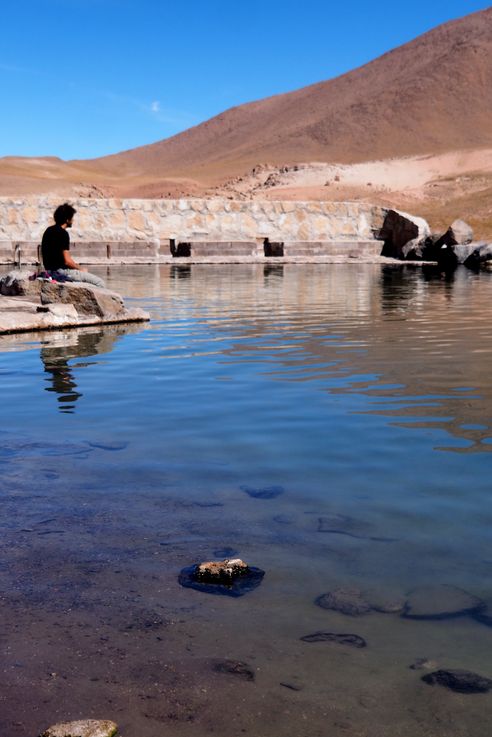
[
  {"x": 405, "y": 110},
  {"x": 396, "y": 105}
]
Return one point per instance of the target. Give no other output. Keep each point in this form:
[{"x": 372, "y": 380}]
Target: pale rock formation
[
  {"x": 82, "y": 728},
  {"x": 221, "y": 571}
]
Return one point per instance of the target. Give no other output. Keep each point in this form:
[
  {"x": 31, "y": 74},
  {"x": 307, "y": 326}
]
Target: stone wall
[{"x": 145, "y": 228}]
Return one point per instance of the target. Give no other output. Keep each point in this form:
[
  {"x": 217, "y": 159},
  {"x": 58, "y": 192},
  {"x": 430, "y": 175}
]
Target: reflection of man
[
  {"x": 56, "y": 364},
  {"x": 55, "y": 249}
]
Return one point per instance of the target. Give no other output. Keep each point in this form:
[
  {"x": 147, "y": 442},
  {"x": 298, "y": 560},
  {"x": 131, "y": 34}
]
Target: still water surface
[{"x": 362, "y": 392}]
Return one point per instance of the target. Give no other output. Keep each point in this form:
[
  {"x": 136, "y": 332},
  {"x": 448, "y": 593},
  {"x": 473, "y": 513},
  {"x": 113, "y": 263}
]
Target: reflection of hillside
[
  {"x": 57, "y": 349},
  {"x": 399, "y": 324}
]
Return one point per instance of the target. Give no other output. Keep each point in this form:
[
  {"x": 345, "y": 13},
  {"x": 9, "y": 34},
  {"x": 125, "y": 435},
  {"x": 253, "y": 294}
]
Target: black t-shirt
[{"x": 55, "y": 241}]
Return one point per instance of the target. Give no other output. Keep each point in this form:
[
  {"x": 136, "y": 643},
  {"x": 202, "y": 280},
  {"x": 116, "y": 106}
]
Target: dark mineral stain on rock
[
  {"x": 291, "y": 686},
  {"x": 484, "y": 617},
  {"x": 266, "y": 492},
  {"x": 234, "y": 668},
  {"x": 340, "y": 524},
  {"x": 341, "y": 639},
  {"x": 108, "y": 446},
  {"x": 462, "y": 681},
  {"x": 284, "y": 519},
  {"x": 196, "y": 505},
  {"x": 238, "y": 587},
  {"x": 52, "y": 532}
]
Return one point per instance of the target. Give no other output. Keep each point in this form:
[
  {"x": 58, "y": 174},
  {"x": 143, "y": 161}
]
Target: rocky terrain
[{"x": 28, "y": 304}]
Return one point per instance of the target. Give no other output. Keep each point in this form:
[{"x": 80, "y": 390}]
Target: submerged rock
[
  {"x": 354, "y": 602},
  {"x": 341, "y": 639},
  {"x": 82, "y": 728},
  {"x": 440, "y": 602},
  {"x": 231, "y": 577},
  {"x": 291, "y": 686},
  {"x": 349, "y": 601},
  {"x": 234, "y": 668},
  {"x": 386, "y": 604},
  {"x": 423, "y": 664},
  {"x": 266, "y": 492},
  {"x": 339, "y": 524},
  {"x": 462, "y": 681}
]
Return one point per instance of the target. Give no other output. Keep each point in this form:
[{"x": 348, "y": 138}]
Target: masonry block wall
[{"x": 152, "y": 221}]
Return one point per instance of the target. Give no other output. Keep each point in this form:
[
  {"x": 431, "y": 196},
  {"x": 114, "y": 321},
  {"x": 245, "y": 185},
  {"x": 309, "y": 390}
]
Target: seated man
[{"x": 55, "y": 249}]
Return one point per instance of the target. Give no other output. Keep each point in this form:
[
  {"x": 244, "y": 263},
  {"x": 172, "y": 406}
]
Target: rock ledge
[{"x": 27, "y": 305}]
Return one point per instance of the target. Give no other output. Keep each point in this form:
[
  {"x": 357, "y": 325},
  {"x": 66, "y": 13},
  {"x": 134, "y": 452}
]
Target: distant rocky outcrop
[
  {"x": 459, "y": 233},
  {"x": 404, "y": 235},
  {"x": 407, "y": 237},
  {"x": 480, "y": 257}
]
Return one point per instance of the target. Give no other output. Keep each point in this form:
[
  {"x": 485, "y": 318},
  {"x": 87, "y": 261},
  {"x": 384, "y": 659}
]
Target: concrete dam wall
[{"x": 214, "y": 230}]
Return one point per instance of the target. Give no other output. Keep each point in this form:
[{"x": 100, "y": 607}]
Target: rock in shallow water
[
  {"x": 462, "y": 681},
  {"x": 225, "y": 571},
  {"x": 341, "y": 639},
  {"x": 266, "y": 492},
  {"x": 229, "y": 577},
  {"x": 423, "y": 664},
  {"x": 349, "y": 601},
  {"x": 354, "y": 603},
  {"x": 234, "y": 668},
  {"x": 440, "y": 602},
  {"x": 82, "y": 728}
]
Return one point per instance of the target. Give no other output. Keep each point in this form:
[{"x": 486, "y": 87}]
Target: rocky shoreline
[{"x": 31, "y": 304}]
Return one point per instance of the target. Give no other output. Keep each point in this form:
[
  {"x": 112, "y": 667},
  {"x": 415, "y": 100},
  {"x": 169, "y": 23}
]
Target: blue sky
[{"x": 84, "y": 78}]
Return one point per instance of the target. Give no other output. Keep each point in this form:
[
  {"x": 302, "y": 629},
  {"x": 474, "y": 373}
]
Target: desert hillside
[
  {"x": 431, "y": 95},
  {"x": 411, "y": 129}
]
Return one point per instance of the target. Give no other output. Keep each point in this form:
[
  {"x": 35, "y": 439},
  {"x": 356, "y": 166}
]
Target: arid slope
[
  {"x": 431, "y": 95},
  {"x": 423, "y": 101}
]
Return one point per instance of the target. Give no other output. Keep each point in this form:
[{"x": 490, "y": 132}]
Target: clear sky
[{"x": 84, "y": 78}]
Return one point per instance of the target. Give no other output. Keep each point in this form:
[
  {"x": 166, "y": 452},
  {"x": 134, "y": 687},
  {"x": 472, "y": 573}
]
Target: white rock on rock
[{"x": 82, "y": 728}]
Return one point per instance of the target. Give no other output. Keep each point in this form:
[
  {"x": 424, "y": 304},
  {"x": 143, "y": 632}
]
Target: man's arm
[{"x": 70, "y": 263}]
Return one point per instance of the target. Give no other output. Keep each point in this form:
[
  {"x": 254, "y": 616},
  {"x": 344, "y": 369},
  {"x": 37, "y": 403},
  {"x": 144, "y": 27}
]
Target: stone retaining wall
[{"x": 117, "y": 230}]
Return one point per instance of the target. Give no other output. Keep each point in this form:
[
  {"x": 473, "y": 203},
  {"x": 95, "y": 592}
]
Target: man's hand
[{"x": 70, "y": 263}]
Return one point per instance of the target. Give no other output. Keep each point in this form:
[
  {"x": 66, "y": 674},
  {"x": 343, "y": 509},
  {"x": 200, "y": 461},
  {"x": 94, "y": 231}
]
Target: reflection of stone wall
[{"x": 217, "y": 219}]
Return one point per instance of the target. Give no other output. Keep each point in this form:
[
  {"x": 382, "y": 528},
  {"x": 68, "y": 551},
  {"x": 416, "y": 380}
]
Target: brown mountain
[
  {"x": 431, "y": 95},
  {"x": 425, "y": 100}
]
